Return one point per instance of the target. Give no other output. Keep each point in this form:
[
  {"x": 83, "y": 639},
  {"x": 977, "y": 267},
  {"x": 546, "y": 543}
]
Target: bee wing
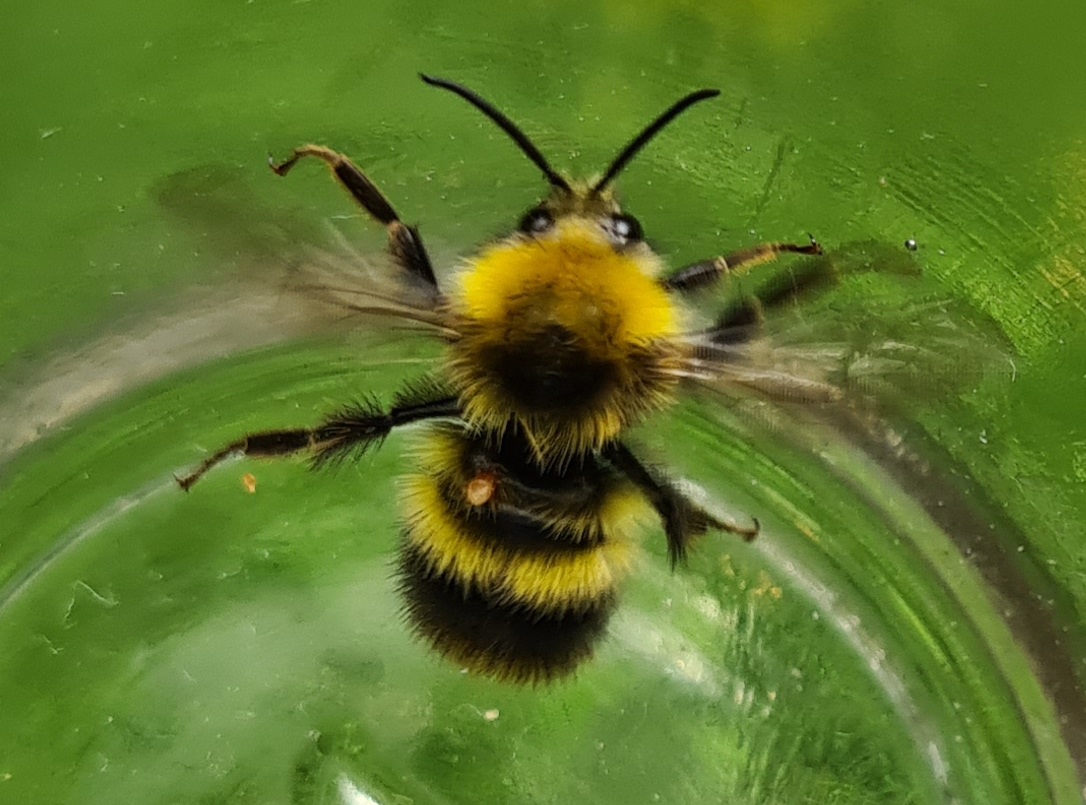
[
  {"x": 882, "y": 335},
  {"x": 274, "y": 280},
  {"x": 355, "y": 285},
  {"x": 311, "y": 263},
  {"x": 220, "y": 207}
]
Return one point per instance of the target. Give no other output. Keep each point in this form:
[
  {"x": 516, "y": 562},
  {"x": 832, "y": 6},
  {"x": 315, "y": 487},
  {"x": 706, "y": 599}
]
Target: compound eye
[
  {"x": 536, "y": 221},
  {"x": 625, "y": 229}
]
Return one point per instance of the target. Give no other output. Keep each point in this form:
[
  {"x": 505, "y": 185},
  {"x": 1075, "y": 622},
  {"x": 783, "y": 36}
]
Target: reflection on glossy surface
[{"x": 908, "y": 629}]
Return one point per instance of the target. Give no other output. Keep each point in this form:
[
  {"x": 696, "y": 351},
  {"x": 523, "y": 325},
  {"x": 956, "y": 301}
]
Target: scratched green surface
[{"x": 899, "y": 634}]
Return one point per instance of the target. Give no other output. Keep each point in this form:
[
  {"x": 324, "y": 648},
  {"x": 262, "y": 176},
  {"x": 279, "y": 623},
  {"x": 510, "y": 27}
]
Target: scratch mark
[{"x": 774, "y": 172}]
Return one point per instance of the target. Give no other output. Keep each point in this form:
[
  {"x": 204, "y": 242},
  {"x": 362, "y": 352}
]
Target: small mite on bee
[{"x": 480, "y": 489}]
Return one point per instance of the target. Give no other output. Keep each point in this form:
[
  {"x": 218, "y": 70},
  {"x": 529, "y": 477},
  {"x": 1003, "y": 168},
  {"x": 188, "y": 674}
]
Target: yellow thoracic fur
[
  {"x": 606, "y": 305},
  {"x": 575, "y": 277}
]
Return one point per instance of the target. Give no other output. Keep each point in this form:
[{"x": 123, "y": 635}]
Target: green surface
[{"x": 906, "y": 630}]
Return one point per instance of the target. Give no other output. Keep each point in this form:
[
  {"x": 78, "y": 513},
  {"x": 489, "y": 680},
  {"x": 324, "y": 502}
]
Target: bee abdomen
[
  {"x": 500, "y": 640},
  {"x": 515, "y": 587}
]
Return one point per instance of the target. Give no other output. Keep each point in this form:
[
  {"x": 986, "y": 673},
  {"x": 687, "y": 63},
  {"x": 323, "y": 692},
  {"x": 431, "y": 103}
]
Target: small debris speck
[{"x": 911, "y": 245}]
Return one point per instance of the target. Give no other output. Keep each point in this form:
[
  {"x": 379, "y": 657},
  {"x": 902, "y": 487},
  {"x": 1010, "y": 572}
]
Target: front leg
[
  {"x": 684, "y": 520},
  {"x": 404, "y": 242},
  {"x": 707, "y": 272}
]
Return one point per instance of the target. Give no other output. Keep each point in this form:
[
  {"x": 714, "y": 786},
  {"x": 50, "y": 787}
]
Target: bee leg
[
  {"x": 404, "y": 242},
  {"x": 707, "y": 272},
  {"x": 684, "y": 520},
  {"x": 353, "y": 429}
]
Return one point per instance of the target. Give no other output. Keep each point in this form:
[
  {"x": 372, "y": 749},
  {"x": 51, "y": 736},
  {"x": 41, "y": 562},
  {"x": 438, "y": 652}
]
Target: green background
[{"x": 904, "y": 631}]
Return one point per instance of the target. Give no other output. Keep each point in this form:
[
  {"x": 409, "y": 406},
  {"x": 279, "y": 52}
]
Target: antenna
[
  {"x": 506, "y": 125},
  {"x": 650, "y": 131}
]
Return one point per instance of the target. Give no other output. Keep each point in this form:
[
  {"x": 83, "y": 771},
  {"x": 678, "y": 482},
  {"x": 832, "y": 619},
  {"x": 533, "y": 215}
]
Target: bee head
[{"x": 582, "y": 203}]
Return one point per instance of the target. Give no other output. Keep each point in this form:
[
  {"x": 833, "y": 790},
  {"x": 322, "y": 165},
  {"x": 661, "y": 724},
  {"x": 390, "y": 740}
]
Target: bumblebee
[{"x": 519, "y": 522}]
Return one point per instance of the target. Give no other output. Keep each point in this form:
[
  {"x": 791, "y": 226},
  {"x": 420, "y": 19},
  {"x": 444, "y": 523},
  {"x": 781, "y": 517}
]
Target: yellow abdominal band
[{"x": 545, "y": 582}]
